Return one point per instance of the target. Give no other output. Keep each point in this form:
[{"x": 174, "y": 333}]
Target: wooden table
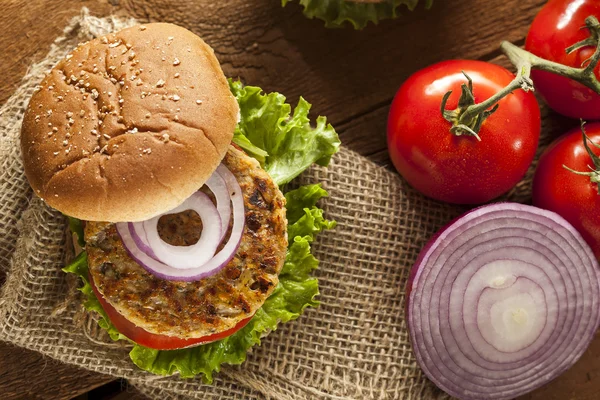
[{"x": 348, "y": 76}]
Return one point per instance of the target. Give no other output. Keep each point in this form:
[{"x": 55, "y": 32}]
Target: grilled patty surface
[{"x": 210, "y": 305}]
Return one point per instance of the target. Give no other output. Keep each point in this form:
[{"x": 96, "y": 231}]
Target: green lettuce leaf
[
  {"x": 311, "y": 223},
  {"x": 76, "y": 227},
  {"x": 336, "y": 13},
  {"x": 301, "y": 198},
  {"x": 267, "y": 132},
  {"x": 284, "y": 144}
]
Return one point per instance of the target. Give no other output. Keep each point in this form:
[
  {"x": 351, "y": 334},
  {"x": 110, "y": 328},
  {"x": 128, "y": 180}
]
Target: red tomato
[
  {"x": 460, "y": 169},
  {"x": 154, "y": 341},
  {"x": 555, "y": 28},
  {"x": 574, "y": 197}
]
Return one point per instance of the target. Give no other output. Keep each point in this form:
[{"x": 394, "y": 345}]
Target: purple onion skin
[
  {"x": 419, "y": 264},
  {"x": 203, "y": 275},
  {"x": 138, "y": 241}
]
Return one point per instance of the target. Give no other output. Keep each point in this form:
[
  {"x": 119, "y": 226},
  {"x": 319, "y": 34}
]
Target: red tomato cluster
[{"x": 458, "y": 168}]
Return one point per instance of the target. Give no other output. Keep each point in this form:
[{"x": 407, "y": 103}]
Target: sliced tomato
[{"x": 154, "y": 341}]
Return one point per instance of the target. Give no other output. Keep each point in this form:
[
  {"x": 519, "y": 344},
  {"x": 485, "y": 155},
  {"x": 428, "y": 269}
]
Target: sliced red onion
[
  {"x": 501, "y": 301},
  {"x": 239, "y": 212},
  {"x": 138, "y": 235},
  {"x": 218, "y": 187},
  {"x": 193, "y": 256},
  {"x": 135, "y": 244}
]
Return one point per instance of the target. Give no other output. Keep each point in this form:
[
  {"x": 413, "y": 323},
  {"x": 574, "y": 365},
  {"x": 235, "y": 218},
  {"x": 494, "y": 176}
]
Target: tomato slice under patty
[{"x": 155, "y": 341}]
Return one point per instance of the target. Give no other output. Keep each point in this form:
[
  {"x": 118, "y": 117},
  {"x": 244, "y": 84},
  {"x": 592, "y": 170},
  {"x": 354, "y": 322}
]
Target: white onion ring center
[
  {"x": 196, "y": 254},
  {"x": 511, "y": 309},
  {"x": 188, "y": 263}
]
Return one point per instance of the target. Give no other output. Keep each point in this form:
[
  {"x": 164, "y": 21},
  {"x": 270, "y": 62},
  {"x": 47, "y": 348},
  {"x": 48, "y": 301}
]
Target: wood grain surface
[
  {"x": 349, "y": 76},
  {"x": 28, "y": 375}
]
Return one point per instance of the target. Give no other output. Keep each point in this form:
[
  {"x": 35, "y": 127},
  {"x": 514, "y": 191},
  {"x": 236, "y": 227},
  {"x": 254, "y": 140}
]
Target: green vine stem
[
  {"x": 468, "y": 118},
  {"x": 584, "y": 75},
  {"x": 594, "y": 172}
]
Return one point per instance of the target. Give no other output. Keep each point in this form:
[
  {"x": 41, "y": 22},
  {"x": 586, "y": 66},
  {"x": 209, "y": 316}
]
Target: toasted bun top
[{"x": 128, "y": 125}]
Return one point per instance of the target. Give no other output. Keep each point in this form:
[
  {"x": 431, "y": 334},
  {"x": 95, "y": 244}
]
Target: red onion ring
[
  {"x": 501, "y": 301},
  {"x": 218, "y": 187},
  {"x": 140, "y": 238},
  {"x": 137, "y": 248}
]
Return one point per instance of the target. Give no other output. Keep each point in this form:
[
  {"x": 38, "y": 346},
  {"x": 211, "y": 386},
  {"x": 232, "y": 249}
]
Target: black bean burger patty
[{"x": 210, "y": 305}]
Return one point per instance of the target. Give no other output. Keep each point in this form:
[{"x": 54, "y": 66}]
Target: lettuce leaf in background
[
  {"x": 283, "y": 143},
  {"x": 268, "y": 132},
  {"x": 336, "y": 13}
]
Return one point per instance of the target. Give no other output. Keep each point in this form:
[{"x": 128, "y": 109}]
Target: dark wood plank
[
  {"x": 116, "y": 390},
  {"x": 28, "y": 29},
  {"x": 344, "y": 73},
  {"x": 28, "y": 375}
]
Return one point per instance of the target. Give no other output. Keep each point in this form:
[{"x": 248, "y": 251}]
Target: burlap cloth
[{"x": 355, "y": 345}]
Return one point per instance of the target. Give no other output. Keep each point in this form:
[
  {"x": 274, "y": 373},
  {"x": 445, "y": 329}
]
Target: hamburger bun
[{"x": 128, "y": 125}]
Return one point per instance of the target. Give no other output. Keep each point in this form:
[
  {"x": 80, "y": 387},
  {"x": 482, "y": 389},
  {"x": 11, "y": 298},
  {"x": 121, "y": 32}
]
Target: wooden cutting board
[{"x": 349, "y": 76}]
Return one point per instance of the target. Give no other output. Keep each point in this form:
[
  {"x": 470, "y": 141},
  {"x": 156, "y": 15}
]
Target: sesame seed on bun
[{"x": 128, "y": 125}]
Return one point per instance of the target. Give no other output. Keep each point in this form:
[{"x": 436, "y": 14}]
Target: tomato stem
[
  {"x": 469, "y": 116},
  {"x": 594, "y": 172},
  {"x": 584, "y": 75}
]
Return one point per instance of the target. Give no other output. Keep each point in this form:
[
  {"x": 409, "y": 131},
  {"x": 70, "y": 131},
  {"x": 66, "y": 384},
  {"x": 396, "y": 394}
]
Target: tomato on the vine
[
  {"x": 573, "y": 196},
  {"x": 558, "y": 26},
  {"x": 461, "y": 169},
  {"x": 152, "y": 340}
]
